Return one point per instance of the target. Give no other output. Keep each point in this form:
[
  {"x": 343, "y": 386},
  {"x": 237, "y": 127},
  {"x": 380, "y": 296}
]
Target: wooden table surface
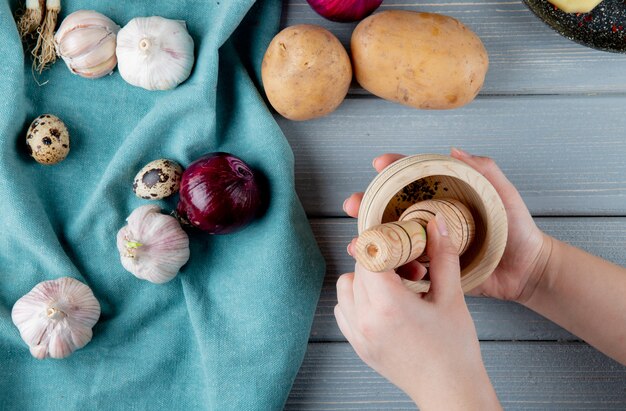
[{"x": 553, "y": 115}]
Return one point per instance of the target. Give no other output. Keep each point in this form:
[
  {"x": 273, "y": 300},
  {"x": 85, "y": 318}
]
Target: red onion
[
  {"x": 344, "y": 10},
  {"x": 219, "y": 194}
]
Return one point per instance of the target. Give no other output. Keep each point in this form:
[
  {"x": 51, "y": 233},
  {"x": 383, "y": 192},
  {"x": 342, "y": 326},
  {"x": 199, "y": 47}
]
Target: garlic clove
[
  {"x": 39, "y": 351},
  {"x": 55, "y": 318},
  {"x": 153, "y": 246},
  {"x": 84, "y": 18},
  {"x": 98, "y": 71},
  {"x": 86, "y": 41},
  {"x": 155, "y": 53},
  {"x": 81, "y": 41},
  {"x": 81, "y": 334},
  {"x": 33, "y": 329},
  {"x": 59, "y": 345},
  {"x": 95, "y": 56}
]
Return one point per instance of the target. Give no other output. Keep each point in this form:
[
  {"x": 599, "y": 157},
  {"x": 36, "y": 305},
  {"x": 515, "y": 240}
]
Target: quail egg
[
  {"x": 47, "y": 139},
  {"x": 158, "y": 179}
]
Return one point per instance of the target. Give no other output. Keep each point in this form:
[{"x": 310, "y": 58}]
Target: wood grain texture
[
  {"x": 454, "y": 180},
  {"x": 388, "y": 246},
  {"x": 459, "y": 220},
  {"x": 565, "y": 154},
  {"x": 526, "y": 56},
  {"x": 526, "y": 376},
  {"x": 495, "y": 320},
  {"x": 551, "y": 113}
]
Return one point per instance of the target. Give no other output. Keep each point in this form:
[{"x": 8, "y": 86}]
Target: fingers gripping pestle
[
  {"x": 390, "y": 245},
  {"x": 400, "y": 201}
]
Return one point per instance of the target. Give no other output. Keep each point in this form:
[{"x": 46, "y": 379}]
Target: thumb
[{"x": 445, "y": 271}]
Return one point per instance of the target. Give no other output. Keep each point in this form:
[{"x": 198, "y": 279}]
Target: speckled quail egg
[
  {"x": 158, "y": 179},
  {"x": 47, "y": 139}
]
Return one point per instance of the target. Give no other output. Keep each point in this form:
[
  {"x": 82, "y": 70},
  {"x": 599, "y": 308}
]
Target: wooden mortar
[{"x": 480, "y": 237}]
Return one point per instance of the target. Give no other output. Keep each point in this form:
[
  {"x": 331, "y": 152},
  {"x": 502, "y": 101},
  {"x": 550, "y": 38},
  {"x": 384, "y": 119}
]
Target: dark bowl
[{"x": 603, "y": 28}]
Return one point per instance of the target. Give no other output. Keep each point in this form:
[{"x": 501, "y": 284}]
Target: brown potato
[
  {"x": 422, "y": 60},
  {"x": 306, "y": 72}
]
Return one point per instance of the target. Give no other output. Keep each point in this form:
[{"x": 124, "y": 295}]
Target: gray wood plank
[
  {"x": 495, "y": 320},
  {"x": 565, "y": 154},
  {"x": 526, "y": 56},
  {"x": 526, "y": 376}
]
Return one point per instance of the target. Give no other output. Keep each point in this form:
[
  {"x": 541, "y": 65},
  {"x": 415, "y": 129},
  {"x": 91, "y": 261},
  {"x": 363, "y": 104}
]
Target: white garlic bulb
[
  {"x": 153, "y": 246},
  {"x": 86, "y": 42},
  {"x": 55, "y": 318},
  {"x": 154, "y": 52}
]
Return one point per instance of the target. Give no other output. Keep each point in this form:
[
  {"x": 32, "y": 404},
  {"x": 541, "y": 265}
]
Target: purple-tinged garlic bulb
[
  {"x": 153, "y": 246},
  {"x": 55, "y": 318},
  {"x": 86, "y": 42}
]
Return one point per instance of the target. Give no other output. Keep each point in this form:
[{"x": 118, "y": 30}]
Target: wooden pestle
[{"x": 388, "y": 246}]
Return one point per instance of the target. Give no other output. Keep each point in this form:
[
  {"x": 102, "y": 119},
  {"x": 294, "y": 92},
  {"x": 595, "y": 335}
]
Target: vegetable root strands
[
  {"x": 31, "y": 18},
  {"x": 44, "y": 52}
]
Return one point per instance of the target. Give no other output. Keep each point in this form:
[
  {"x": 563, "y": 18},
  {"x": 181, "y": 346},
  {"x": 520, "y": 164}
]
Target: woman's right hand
[{"x": 528, "y": 248}]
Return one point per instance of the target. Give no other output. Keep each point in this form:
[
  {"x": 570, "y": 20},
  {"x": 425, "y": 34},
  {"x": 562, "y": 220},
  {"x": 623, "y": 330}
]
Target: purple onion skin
[
  {"x": 344, "y": 10},
  {"x": 219, "y": 194}
]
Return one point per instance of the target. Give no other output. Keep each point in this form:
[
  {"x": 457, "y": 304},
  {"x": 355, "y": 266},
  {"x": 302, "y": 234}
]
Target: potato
[
  {"x": 306, "y": 72},
  {"x": 576, "y": 6},
  {"x": 422, "y": 60}
]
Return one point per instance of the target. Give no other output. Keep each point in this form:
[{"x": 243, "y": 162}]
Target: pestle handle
[{"x": 390, "y": 245}]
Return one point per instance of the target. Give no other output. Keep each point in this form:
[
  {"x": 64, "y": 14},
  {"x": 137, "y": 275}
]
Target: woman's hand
[
  {"x": 527, "y": 250},
  {"x": 426, "y": 344}
]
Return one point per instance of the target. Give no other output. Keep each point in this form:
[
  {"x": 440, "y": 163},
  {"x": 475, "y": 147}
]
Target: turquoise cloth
[{"x": 230, "y": 331}]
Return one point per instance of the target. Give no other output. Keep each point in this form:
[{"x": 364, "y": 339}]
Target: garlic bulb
[
  {"x": 86, "y": 42},
  {"x": 155, "y": 53},
  {"x": 55, "y": 318},
  {"x": 153, "y": 246}
]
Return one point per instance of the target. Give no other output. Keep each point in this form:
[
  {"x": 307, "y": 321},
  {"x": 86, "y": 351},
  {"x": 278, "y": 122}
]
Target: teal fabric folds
[{"x": 230, "y": 331}]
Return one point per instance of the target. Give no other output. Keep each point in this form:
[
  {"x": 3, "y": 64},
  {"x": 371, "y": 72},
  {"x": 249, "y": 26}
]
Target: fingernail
[
  {"x": 343, "y": 207},
  {"x": 351, "y": 246},
  {"x": 459, "y": 152},
  {"x": 349, "y": 249},
  {"x": 441, "y": 225},
  {"x": 422, "y": 271},
  {"x": 374, "y": 162}
]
